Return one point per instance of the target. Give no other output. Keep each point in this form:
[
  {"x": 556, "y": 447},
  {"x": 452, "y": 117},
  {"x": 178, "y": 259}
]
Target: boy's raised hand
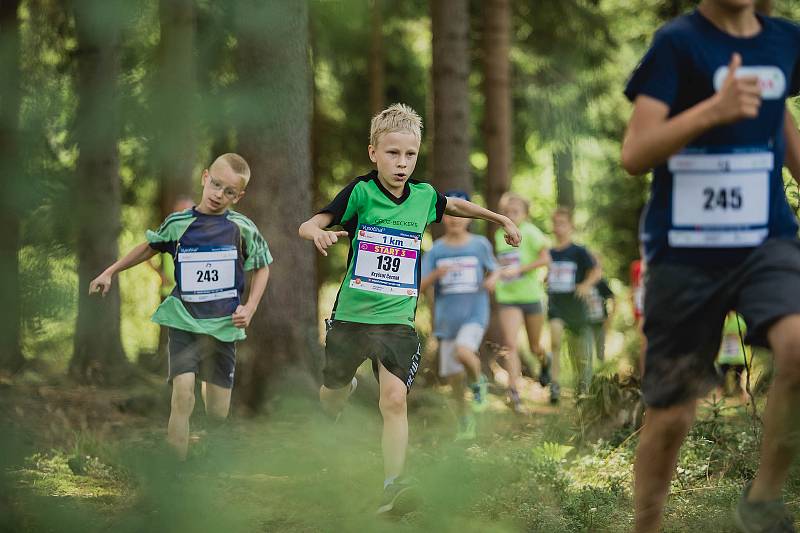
[
  {"x": 512, "y": 234},
  {"x": 739, "y": 97},
  {"x": 323, "y": 239},
  {"x": 101, "y": 284}
]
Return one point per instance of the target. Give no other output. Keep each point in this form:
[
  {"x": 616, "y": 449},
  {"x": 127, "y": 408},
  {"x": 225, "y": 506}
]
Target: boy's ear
[
  {"x": 372, "y": 156},
  {"x": 236, "y": 200},
  {"x": 204, "y": 177}
]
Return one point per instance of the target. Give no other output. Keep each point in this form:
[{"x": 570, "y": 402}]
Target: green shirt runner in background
[{"x": 527, "y": 288}]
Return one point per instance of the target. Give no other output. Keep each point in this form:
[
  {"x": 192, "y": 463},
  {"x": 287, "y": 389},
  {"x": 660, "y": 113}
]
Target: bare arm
[
  {"x": 258, "y": 284},
  {"x": 140, "y": 253},
  {"x": 584, "y": 288},
  {"x": 428, "y": 281},
  {"x": 462, "y": 208},
  {"x": 792, "y": 146},
  {"x": 651, "y": 137},
  {"x": 314, "y": 230}
]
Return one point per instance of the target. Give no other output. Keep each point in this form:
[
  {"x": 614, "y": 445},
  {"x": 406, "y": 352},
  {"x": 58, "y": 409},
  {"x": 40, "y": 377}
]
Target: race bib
[
  {"x": 386, "y": 261},
  {"x": 462, "y": 276},
  {"x": 561, "y": 277},
  {"x": 207, "y": 273},
  {"x": 510, "y": 259},
  {"x": 720, "y": 200}
]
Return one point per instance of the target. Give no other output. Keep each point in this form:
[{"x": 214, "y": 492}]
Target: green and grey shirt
[
  {"x": 211, "y": 254},
  {"x": 383, "y": 264}
]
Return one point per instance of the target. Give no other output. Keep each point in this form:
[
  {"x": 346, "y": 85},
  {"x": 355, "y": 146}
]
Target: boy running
[
  {"x": 573, "y": 273},
  {"x": 710, "y": 117},
  {"x": 212, "y": 248},
  {"x": 456, "y": 267},
  {"x": 384, "y": 214}
]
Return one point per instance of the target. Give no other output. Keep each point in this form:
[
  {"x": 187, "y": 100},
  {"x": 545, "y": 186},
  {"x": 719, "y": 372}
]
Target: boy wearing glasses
[{"x": 212, "y": 248}]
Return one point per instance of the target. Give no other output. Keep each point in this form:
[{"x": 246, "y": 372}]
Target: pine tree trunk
[
  {"x": 274, "y": 114},
  {"x": 565, "y": 186},
  {"x": 175, "y": 105},
  {"x": 11, "y": 359},
  {"x": 450, "y": 29},
  {"x": 497, "y": 95},
  {"x": 377, "y": 67},
  {"x": 98, "y": 356}
]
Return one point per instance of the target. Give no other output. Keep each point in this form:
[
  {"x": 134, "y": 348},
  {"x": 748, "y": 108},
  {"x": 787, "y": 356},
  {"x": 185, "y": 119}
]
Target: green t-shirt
[
  {"x": 211, "y": 254},
  {"x": 383, "y": 264},
  {"x": 730, "y": 351},
  {"x": 527, "y": 288}
]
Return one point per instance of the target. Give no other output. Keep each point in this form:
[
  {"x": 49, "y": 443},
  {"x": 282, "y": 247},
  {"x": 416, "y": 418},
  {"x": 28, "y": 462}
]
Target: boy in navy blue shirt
[{"x": 710, "y": 118}]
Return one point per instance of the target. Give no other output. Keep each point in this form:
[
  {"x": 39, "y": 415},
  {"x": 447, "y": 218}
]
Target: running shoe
[
  {"x": 555, "y": 393},
  {"x": 763, "y": 517},
  {"x": 480, "y": 391},
  {"x": 544, "y": 374},
  {"x": 398, "y": 496}
]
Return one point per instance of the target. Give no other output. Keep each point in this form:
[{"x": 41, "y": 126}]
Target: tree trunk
[
  {"x": 98, "y": 356},
  {"x": 274, "y": 113},
  {"x": 497, "y": 97},
  {"x": 450, "y": 29},
  {"x": 11, "y": 359},
  {"x": 565, "y": 186},
  {"x": 174, "y": 96},
  {"x": 377, "y": 65}
]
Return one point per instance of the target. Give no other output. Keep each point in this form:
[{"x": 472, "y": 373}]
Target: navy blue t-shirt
[{"x": 723, "y": 194}]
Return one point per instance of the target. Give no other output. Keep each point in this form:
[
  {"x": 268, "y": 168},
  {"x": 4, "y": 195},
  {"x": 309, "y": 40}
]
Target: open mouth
[{"x": 400, "y": 176}]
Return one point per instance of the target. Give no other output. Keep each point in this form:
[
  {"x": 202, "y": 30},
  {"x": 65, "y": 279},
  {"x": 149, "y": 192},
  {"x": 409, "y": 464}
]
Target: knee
[
  {"x": 787, "y": 360},
  {"x": 670, "y": 425},
  {"x": 393, "y": 402},
  {"x": 183, "y": 400},
  {"x": 217, "y": 413}
]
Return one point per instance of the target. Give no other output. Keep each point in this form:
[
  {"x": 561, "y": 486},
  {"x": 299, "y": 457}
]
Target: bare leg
[
  {"x": 511, "y": 319},
  {"x": 395, "y": 422},
  {"x": 181, "y": 410},
  {"x": 656, "y": 456},
  {"x": 781, "y": 423},
  {"x": 533, "y": 327},
  {"x": 217, "y": 400},
  {"x": 556, "y": 335},
  {"x": 471, "y": 362}
]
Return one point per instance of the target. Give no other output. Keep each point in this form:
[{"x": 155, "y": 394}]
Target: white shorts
[{"x": 469, "y": 336}]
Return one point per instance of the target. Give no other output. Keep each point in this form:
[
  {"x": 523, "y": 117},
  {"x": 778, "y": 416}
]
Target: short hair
[
  {"x": 237, "y": 164},
  {"x": 509, "y": 197},
  {"x": 564, "y": 211},
  {"x": 396, "y": 117}
]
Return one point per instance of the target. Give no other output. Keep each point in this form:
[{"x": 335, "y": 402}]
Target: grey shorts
[
  {"x": 469, "y": 336},
  {"x": 685, "y": 309}
]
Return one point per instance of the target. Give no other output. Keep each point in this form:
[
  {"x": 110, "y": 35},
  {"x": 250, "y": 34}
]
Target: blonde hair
[
  {"x": 509, "y": 197},
  {"x": 237, "y": 164},
  {"x": 396, "y": 117}
]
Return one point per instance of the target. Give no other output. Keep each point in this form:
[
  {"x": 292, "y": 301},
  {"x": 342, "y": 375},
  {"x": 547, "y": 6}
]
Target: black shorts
[
  {"x": 209, "y": 358},
  {"x": 348, "y": 344},
  {"x": 532, "y": 308},
  {"x": 685, "y": 308}
]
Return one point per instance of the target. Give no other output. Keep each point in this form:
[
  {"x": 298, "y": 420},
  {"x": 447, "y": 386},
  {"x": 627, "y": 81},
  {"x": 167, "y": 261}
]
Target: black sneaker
[
  {"x": 762, "y": 517},
  {"x": 555, "y": 393},
  {"x": 398, "y": 497},
  {"x": 544, "y": 373}
]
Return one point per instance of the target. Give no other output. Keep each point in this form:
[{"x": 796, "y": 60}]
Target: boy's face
[
  {"x": 515, "y": 211},
  {"x": 455, "y": 225},
  {"x": 395, "y": 156},
  {"x": 562, "y": 227},
  {"x": 222, "y": 187}
]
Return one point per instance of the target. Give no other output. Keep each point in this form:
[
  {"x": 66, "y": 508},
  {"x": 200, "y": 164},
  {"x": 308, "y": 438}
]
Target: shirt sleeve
[
  {"x": 257, "y": 254},
  {"x": 656, "y": 74},
  {"x": 488, "y": 259},
  {"x": 438, "y": 205},
  {"x": 164, "y": 239},
  {"x": 339, "y": 205}
]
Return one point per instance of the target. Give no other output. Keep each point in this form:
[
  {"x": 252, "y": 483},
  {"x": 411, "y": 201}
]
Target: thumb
[{"x": 735, "y": 63}]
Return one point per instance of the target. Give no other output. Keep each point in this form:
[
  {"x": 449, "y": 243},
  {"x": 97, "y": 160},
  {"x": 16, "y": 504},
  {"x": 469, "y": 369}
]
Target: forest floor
[{"x": 88, "y": 459}]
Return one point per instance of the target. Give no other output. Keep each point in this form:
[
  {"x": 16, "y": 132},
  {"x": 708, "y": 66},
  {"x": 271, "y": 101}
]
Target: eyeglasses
[{"x": 217, "y": 185}]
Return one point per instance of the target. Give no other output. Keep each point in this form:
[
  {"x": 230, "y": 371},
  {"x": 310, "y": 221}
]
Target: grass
[{"x": 294, "y": 470}]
